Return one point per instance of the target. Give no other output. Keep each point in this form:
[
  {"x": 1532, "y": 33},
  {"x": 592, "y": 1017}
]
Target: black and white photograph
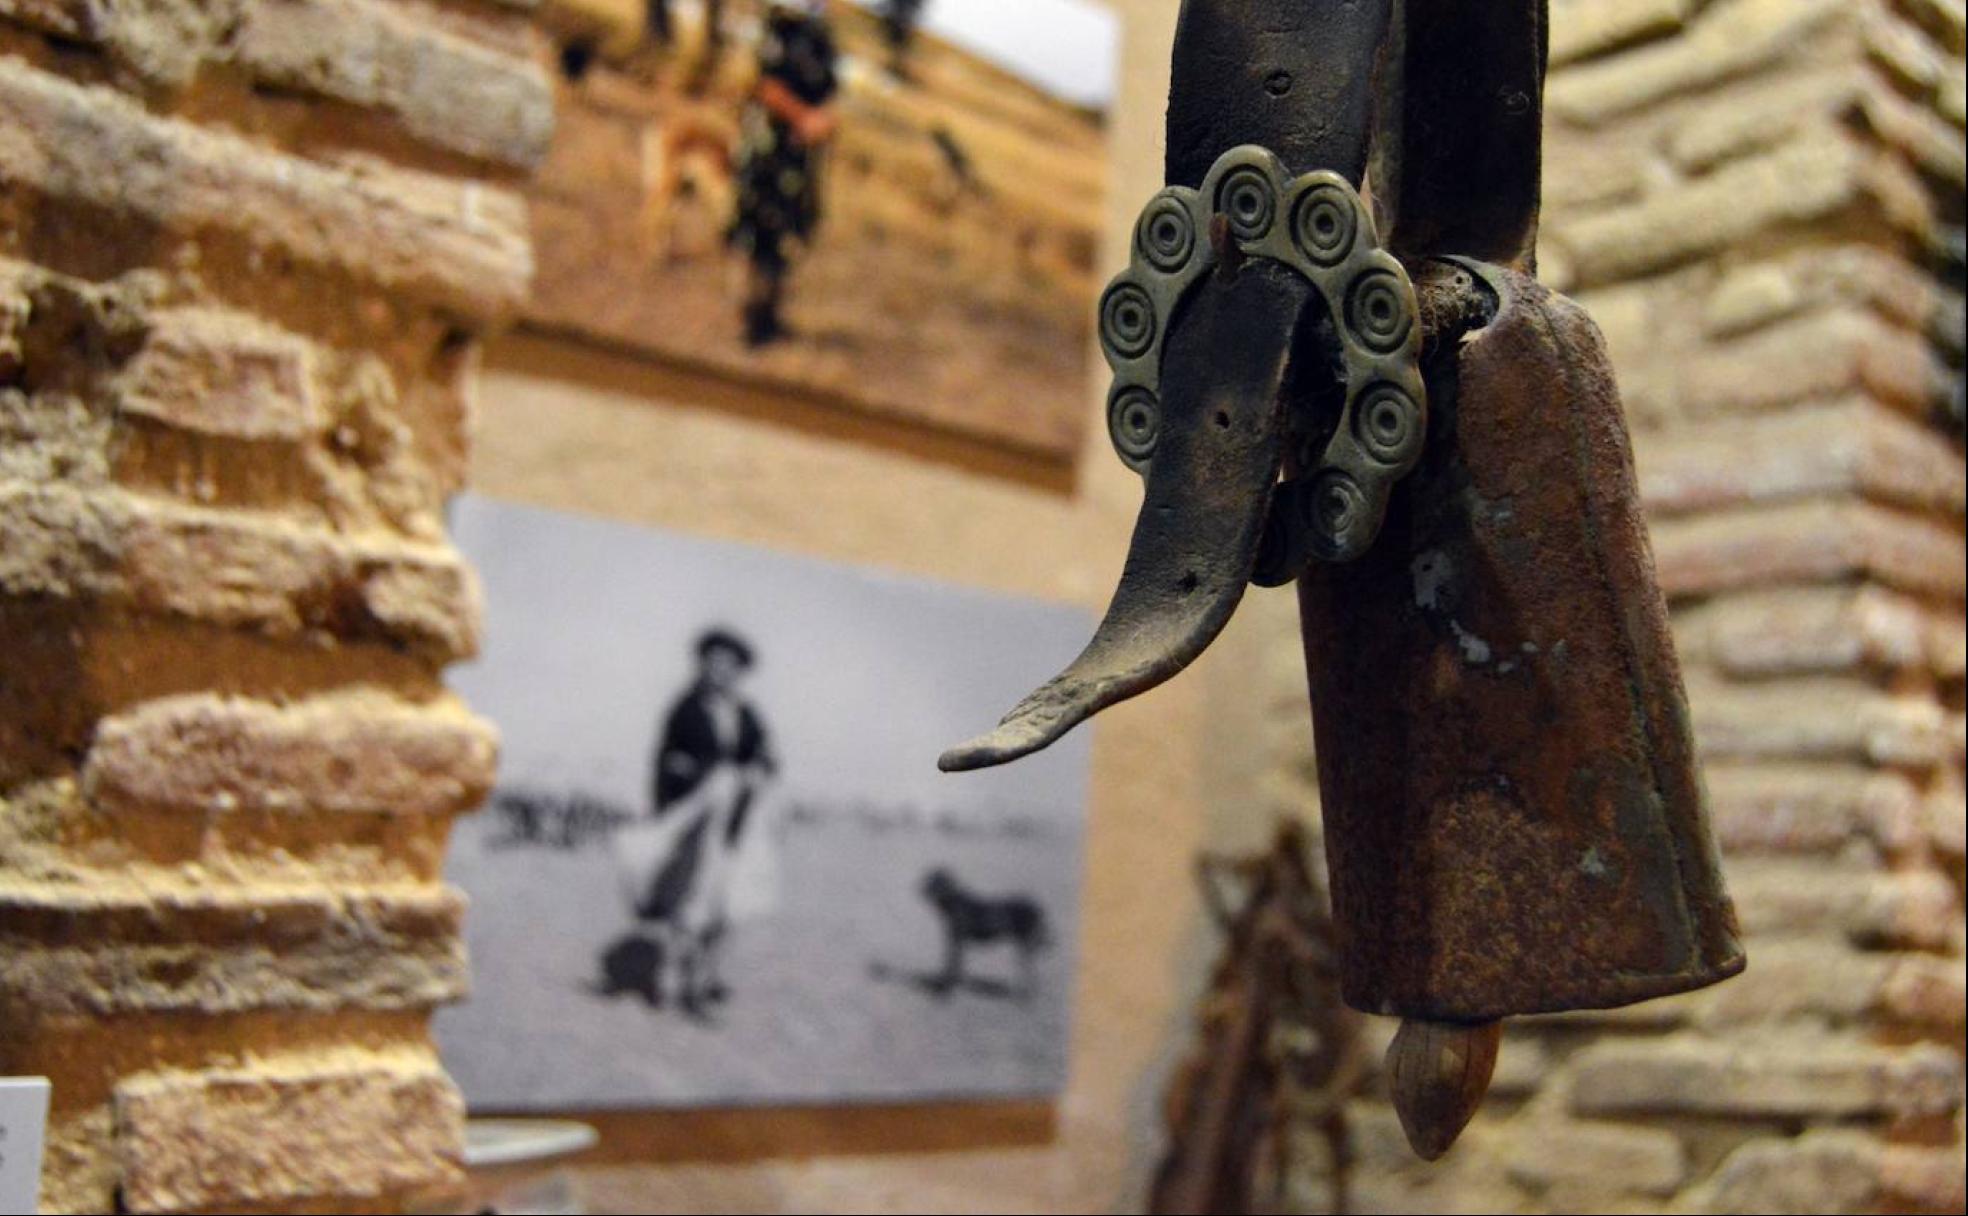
[{"x": 720, "y": 866}]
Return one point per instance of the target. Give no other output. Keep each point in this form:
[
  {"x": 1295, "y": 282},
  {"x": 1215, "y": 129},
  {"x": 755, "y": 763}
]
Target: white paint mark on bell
[{"x": 1474, "y": 649}]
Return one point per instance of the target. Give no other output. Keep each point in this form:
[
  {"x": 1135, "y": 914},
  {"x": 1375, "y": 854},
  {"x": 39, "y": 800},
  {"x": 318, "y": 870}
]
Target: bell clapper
[{"x": 1439, "y": 1072}]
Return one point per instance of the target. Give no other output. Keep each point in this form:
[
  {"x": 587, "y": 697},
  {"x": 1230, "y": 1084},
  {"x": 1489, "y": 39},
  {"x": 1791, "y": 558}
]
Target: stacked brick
[
  {"x": 246, "y": 251},
  {"x": 1760, "y": 202}
]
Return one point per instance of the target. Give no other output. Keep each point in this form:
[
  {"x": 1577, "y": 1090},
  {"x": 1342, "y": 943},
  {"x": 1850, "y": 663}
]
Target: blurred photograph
[{"x": 718, "y": 867}]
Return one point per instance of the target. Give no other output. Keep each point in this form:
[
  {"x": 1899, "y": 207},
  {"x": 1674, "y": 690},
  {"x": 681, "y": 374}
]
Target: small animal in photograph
[
  {"x": 633, "y": 966},
  {"x": 971, "y": 920}
]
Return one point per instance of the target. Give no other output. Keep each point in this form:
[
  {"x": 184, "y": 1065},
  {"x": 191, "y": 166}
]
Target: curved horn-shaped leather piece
[{"x": 1202, "y": 517}]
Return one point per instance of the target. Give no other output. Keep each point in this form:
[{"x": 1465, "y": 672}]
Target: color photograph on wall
[
  {"x": 720, "y": 866},
  {"x": 893, "y": 204}
]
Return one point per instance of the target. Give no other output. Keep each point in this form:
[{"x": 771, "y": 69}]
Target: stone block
[
  {"x": 1854, "y": 447},
  {"x": 1581, "y": 29},
  {"x": 1838, "y": 904},
  {"x": 1816, "y": 719},
  {"x": 1813, "y": 358},
  {"x": 446, "y": 90},
  {"x": 1912, "y": 59},
  {"x": 1596, "y": 1159},
  {"x": 164, "y": 42},
  {"x": 1808, "y": 542},
  {"x": 1923, "y": 1178},
  {"x": 1925, "y": 138},
  {"x": 1790, "y": 808},
  {"x": 1806, "y": 179},
  {"x": 1761, "y": 116},
  {"x": 115, "y": 948},
  {"x": 235, "y": 569},
  {"x": 460, "y": 245},
  {"x": 1728, "y": 40},
  {"x": 354, "y": 753},
  {"x": 1798, "y": 1076},
  {"x": 1947, "y": 814},
  {"x": 222, "y": 374},
  {"x": 1925, "y": 992},
  {"x": 1828, "y": 1173},
  {"x": 1752, "y": 296},
  {"x": 1826, "y": 277},
  {"x": 348, "y": 1129},
  {"x": 1793, "y": 981},
  {"x": 1809, "y": 630}
]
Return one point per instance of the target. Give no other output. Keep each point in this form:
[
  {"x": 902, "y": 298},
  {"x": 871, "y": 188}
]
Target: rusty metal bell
[
  {"x": 1369, "y": 392},
  {"x": 1514, "y": 819}
]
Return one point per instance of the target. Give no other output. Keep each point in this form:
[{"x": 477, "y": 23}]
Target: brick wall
[
  {"x": 246, "y": 251},
  {"x": 1760, "y": 201}
]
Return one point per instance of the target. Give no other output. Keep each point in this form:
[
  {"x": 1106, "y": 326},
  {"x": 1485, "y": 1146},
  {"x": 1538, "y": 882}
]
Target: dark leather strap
[
  {"x": 1445, "y": 95},
  {"x": 1296, "y": 76},
  {"x": 1458, "y": 153}
]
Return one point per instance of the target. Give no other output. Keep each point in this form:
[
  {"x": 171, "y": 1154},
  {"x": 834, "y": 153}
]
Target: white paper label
[{"x": 23, "y": 1127}]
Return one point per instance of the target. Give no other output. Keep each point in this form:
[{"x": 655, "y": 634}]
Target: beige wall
[{"x": 567, "y": 427}]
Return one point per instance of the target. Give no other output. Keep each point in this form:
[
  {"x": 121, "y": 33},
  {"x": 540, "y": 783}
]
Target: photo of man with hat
[{"x": 712, "y": 761}]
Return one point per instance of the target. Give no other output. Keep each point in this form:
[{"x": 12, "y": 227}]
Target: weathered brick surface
[
  {"x": 1859, "y": 447},
  {"x": 1599, "y": 1158},
  {"x": 1808, "y": 179},
  {"x": 1762, "y": 115},
  {"x": 444, "y": 89},
  {"x": 232, "y": 569},
  {"x": 165, "y": 42},
  {"x": 1802, "y": 630},
  {"x": 1737, "y": 37},
  {"x": 1792, "y": 808},
  {"x": 1809, "y": 542},
  {"x": 1805, "y": 1078},
  {"x": 1917, "y": 1178},
  {"x": 246, "y": 248},
  {"x": 1813, "y": 358},
  {"x": 1817, "y": 720},
  {"x": 1823, "y": 1172},
  {"x": 347, "y": 1129},
  {"x": 93, "y": 953},
  {"x": 1585, "y": 28},
  {"x": 1925, "y": 992},
  {"x": 1864, "y": 905},
  {"x": 462, "y": 245},
  {"x": 1816, "y": 279},
  {"x": 357, "y": 753},
  {"x": 1793, "y": 982},
  {"x": 223, "y": 375}
]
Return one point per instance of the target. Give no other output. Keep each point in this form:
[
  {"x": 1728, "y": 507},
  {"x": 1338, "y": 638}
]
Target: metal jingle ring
[
  {"x": 1325, "y": 223},
  {"x": 1127, "y": 320},
  {"x": 1386, "y": 422},
  {"x": 1245, "y": 199},
  {"x": 1165, "y": 235},
  {"x": 1377, "y": 311},
  {"x": 1134, "y": 423}
]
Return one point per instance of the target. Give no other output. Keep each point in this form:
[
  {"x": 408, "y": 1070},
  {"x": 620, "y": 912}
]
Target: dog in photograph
[
  {"x": 971, "y": 920},
  {"x": 688, "y": 163},
  {"x": 633, "y": 966}
]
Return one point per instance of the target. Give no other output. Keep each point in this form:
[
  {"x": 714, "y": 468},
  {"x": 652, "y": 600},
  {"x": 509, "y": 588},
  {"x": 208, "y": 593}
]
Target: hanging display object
[{"x": 1333, "y": 364}]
